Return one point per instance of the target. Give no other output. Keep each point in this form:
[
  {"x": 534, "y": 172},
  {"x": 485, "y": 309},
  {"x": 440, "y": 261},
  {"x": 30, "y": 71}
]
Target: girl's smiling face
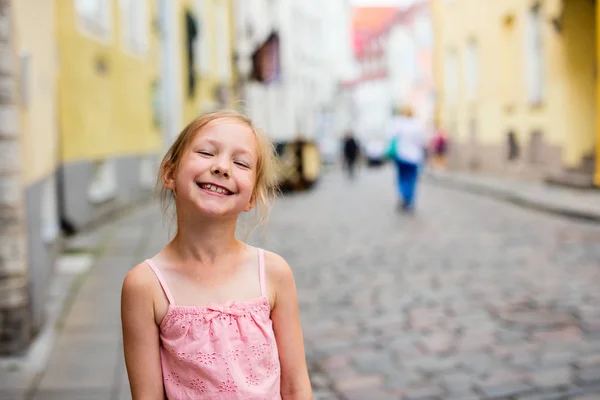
[{"x": 217, "y": 172}]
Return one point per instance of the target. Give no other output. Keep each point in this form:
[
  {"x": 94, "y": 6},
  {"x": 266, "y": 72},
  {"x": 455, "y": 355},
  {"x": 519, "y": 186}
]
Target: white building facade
[
  {"x": 302, "y": 92},
  {"x": 410, "y": 61},
  {"x": 395, "y": 70}
]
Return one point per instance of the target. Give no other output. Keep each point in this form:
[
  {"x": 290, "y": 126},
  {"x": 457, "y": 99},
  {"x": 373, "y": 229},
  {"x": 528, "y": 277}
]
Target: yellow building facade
[
  {"x": 38, "y": 69},
  {"x": 108, "y": 65},
  {"x": 517, "y": 87},
  {"x": 108, "y": 118}
]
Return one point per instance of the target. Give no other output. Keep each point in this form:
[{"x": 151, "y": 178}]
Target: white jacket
[{"x": 411, "y": 138}]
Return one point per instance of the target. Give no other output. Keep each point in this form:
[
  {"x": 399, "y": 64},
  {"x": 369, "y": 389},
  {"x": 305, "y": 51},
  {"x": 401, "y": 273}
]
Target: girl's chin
[{"x": 216, "y": 212}]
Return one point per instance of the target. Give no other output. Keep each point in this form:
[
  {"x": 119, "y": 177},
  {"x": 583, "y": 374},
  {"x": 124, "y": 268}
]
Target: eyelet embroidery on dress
[
  {"x": 252, "y": 380},
  {"x": 273, "y": 368},
  {"x": 260, "y": 350},
  {"x": 234, "y": 354},
  {"x": 199, "y": 385},
  {"x": 173, "y": 378},
  {"x": 228, "y": 386},
  {"x": 206, "y": 359}
]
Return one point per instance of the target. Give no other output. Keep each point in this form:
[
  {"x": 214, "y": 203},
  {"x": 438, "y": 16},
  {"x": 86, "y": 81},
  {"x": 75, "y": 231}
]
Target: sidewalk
[{"x": 580, "y": 204}]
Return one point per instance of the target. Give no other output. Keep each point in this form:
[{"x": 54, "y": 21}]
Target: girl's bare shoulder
[
  {"x": 141, "y": 281},
  {"x": 277, "y": 268}
]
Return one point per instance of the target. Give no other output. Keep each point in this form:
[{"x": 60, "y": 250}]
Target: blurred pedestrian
[
  {"x": 439, "y": 148},
  {"x": 350, "y": 152},
  {"x": 407, "y": 150},
  {"x": 209, "y": 314}
]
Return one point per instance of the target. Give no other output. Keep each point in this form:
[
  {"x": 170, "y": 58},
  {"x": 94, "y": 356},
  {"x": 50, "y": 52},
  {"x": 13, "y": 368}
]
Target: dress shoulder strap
[
  {"x": 261, "y": 272},
  {"x": 161, "y": 280}
]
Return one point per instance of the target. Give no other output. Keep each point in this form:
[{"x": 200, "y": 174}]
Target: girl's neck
[{"x": 205, "y": 240}]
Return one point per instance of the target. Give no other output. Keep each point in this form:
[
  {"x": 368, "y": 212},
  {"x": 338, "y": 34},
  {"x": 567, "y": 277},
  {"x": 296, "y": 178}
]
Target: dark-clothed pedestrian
[{"x": 351, "y": 153}]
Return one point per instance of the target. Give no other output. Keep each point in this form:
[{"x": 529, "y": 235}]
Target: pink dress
[{"x": 219, "y": 351}]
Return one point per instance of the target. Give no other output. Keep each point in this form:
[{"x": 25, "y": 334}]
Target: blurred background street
[{"x": 486, "y": 287}]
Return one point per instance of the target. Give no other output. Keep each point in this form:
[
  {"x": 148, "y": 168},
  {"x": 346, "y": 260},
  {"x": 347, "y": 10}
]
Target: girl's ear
[
  {"x": 169, "y": 178},
  {"x": 251, "y": 203}
]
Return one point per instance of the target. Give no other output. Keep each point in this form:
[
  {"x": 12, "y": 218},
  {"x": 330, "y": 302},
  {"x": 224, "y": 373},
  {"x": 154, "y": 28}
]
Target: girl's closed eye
[
  {"x": 205, "y": 153},
  {"x": 242, "y": 164}
]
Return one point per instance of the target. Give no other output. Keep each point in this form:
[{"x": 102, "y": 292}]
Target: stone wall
[{"x": 15, "y": 318}]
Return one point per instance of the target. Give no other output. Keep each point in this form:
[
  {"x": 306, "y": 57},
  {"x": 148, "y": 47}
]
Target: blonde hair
[{"x": 265, "y": 184}]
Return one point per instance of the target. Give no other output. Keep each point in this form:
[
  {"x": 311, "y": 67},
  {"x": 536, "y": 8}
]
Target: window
[
  {"x": 451, "y": 78},
  {"x": 223, "y": 42},
  {"x": 103, "y": 186},
  {"x": 94, "y": 17},
  {"x": 408, "y": 59},
  {"x": 49, "y": 211},
  {"x": 135, "y": 25},
  {"x": 534, "y": 56},
  {"x": 471, "y": 71},
  {"x": 202, "y": 44},
  {"x": 424, "y": 31}
]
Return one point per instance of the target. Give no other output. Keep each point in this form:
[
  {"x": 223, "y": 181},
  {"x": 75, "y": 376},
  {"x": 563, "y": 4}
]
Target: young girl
[{"x": 210, "y": 317}]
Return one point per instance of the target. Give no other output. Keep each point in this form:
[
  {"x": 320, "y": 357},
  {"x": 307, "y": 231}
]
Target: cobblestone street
[{"x": 469, "y": 298}]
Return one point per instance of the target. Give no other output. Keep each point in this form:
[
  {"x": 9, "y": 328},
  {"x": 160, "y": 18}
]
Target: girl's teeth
[{"x": 215, "y": 189}]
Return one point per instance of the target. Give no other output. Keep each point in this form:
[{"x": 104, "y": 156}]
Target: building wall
[
  {"x": 597, "y": 174},
  {"x": 37, "y": 58},
  {"x": 410, "y": 64},
  {"x": 105, "y": 91},
  {"x": 292, "y": 106},
  {"x": 15, "y": 327},
  {"x": 37, "y": 64},
  {"x": 554, "y": 133},
  {"x": 108, "y": 120}
]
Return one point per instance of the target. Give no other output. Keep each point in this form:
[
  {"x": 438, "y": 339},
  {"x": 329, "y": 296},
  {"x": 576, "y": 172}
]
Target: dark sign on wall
[{"x": 266, "y": 64}]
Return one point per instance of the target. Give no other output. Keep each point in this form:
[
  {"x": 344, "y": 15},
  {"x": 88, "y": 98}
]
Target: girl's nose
[{"x": 220, "y": 170}]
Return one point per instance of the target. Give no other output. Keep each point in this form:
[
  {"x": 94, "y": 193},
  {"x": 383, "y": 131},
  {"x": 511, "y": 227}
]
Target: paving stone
[
  {"x": 363, "y": 394},
  {"x": 507, "y": 389},
  {"x": 439, "y": 342},
  {"x": 551, "y": 378},
  {"x": 458, "y": 382},
  {"x": 478, "y": 363},
  {"x": 402, "y": 379},
  {"x": 542, "y": 396},
  {"x": 590, "y": 360},
  {"x": 428, "y": 392},
  {"x": 557, "y": 358},
  {"x": 589, "y": 375},
  {"x": 429, "y": 365},
  {"x": 359, "y": 383}
]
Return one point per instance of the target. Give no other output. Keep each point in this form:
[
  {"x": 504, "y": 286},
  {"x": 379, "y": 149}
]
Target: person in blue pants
[
  {"x": 407, "y": 149},
  {"x": 407, "y": 174}
]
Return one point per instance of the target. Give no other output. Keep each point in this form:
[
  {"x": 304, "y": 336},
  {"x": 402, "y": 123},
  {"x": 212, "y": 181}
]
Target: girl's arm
[
  {"x": 141, "y": 335},
  {"x": 295, "y": 384}
]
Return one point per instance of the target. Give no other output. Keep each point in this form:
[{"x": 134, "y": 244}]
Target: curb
[{"x": 511, "y": 196}]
